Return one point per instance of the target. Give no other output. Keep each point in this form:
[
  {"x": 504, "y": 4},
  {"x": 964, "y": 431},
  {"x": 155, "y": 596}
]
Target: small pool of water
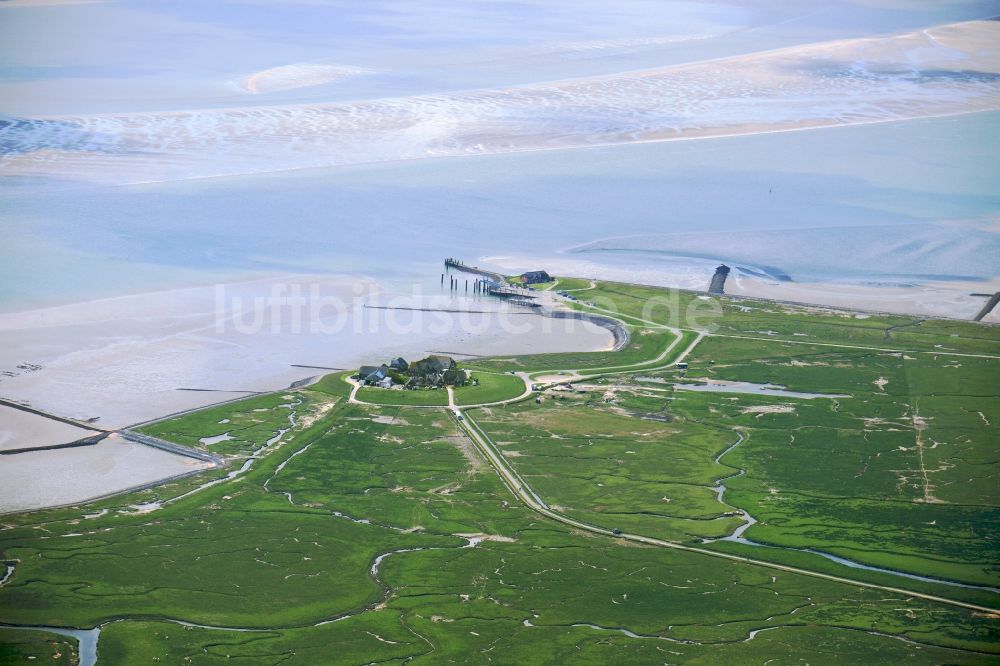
[
  {"x": 720, "y": 386},
  {"x": 208, "y": 441}
]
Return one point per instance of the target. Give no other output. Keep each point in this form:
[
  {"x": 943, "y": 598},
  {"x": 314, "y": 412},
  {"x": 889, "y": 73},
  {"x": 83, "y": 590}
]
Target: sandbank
[{"x": 67, "y": 476}]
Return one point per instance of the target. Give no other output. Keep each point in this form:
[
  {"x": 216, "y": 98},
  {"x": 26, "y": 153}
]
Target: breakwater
[
  {"x": 86, "y": 425},
  {"x": 170, "y": 447},
  {"x": 93, "y": 440},
  {"x": 988, "y": 308}
]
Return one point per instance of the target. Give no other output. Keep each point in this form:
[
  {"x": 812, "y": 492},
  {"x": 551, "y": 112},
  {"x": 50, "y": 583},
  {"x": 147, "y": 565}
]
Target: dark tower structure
[{"x": 719, "y": 280}]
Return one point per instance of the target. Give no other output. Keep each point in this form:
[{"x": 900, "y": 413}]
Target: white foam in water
[{"x": 948, "y": 70}]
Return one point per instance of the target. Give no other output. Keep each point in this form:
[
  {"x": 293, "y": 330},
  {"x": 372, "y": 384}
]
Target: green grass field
[
  {"x": 250, "y": 423},
  {"x": 898, "y": 475},
  {"x": 418, "y": 397},
  {"x": 909, "y": 452},
  {"x": 335, "y": 385},
  {"x": 644, "y": 346},
  {"x": 27, "y": 647},
  {"x": 573, "y": 284},
  {"x": 642, "y": 476},
  {"x": 492, "y": 388}
]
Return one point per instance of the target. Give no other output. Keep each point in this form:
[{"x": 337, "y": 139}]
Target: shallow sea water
[{"x": 898, "y": 202}]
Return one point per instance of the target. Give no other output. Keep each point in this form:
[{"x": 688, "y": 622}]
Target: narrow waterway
[
  {"x": 749, "y": 521},
  {"x": 243, "y": 469},
  {"x": 7, "y": 573},
  {"x": 86, "y": 639},
  {"x": 720, "y": 493}
]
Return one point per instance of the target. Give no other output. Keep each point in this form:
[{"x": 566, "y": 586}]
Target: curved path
[
  {"x": 528, "y": 496},
  {"x": 593, "y": 285},
  {"x": 650, "y": 365},
  {"x": 533, "y": 501},
  {"x": 452, "y": 405},
  {"x": 570, "y": 376}
]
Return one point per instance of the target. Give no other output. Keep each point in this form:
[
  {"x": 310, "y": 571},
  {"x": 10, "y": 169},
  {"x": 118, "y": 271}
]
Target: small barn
[{"x": 535, "y": 277}]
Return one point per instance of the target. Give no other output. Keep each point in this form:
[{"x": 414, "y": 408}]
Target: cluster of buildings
[{"x": 434, "y": 371}]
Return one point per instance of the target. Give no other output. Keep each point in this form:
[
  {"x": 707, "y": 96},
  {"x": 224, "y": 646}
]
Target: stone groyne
[
  {"x": 170, "y": 447},
  {"x": 988, "y": 308}
]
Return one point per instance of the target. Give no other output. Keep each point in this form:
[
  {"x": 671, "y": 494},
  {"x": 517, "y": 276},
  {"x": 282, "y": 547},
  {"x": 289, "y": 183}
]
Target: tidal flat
[
  {"x": 180, "y": 183},
  {"x": 387, "y": 530},
  {"x": 39, "y": 479}
]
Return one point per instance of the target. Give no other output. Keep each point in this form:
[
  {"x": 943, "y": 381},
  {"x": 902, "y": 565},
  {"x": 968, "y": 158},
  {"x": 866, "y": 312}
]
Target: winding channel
[
  {"x": 749, "y": 521},
  {"x": 520, "y": 489},
  {"x": 247, "y": 464},
  {"x": 88, "y": 638}
]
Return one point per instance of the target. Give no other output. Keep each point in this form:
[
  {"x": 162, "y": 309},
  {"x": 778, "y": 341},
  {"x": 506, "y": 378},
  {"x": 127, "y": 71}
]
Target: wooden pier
[
  {"x": 490, "y": 284},
  {"x": 460, "y": 266}
]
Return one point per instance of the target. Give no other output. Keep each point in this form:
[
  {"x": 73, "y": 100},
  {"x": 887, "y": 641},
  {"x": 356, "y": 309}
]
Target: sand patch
[
  {"x": 446, "y": 489},
  {"x": 769, "y": 409},
  {"x": 557, "y": 378},
  {"x": 66, "y": 476},
  {"x": 475, "y": 538},
  {"x": 318, "y": 411},
  {"x": 298, "y": 75},
  {"x": 942, "y": 71},
  {"x": 390, "y": 420},
  {"x": 465, "y": 446}
]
